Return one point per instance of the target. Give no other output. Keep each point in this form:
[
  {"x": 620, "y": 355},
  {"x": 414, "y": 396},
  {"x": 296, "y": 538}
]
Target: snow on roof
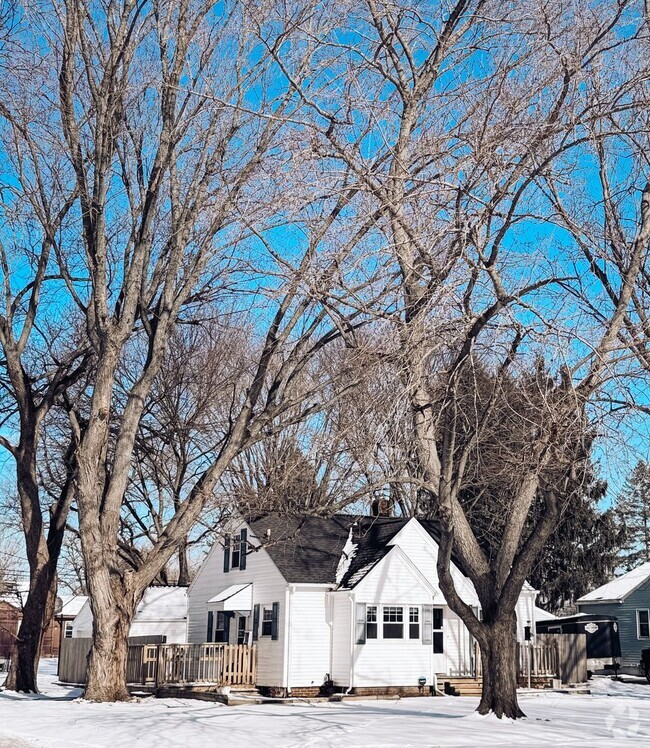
[
  {"x": 72, "y": 605},
  {"x": 162, "y": 603},
  {"x": 620, "y": 588},
  {"x": 543, "y": 615},
  {"x": 237, "y": 597},
  {"x": 347, "y": 554}
]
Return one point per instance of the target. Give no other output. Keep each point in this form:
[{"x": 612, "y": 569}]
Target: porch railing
[
  {"x": 544, "y": 660},
  {"x": 185, "y": 664}
]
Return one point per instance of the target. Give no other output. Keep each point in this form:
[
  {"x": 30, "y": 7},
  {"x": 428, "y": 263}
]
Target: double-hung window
[
  {"x": 220, "y": 623},
  {"x": 393, "y": 622},
  {"x": 371, "y": 622},
  {"x": 438, "y": 636},
  {"x": 234, "y": 551},
  {"x": 267, "y": 622},
  {"x": 643, "y": 624},
  {"x": 414, "y": 623}
]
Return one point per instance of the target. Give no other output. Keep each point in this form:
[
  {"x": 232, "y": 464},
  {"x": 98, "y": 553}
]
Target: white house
[
  {"x": 162, "y": 611},
  {"x": 70, "y": 609},
  {"x": 351, "y": 599}
]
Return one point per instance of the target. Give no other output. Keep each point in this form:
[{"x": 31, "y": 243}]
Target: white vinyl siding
[
  {"x": 269, "y": 586},
  {"x": 525, "y": 610},
  {"x": 341, "y": 616},
  {"x": 394, "y": 587},
  {"x": 309, "y": 643}
]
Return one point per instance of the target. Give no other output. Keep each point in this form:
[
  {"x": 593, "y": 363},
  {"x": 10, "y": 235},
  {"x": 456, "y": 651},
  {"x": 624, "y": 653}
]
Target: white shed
[{"x": 162, "y": 611}]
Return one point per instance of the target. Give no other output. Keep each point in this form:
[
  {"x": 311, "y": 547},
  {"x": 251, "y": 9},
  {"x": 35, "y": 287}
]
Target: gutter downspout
[
  {"x": 352, "y": 642},
  {"x": 287, "y": 644}
]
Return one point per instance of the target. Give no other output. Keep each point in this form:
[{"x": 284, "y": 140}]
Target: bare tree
[
  {"x": 458, "y": 123},
  {"x": 42, "y": 353},
  {"x": 180, "y": 434},
  {"x": 171, "y": 118}
]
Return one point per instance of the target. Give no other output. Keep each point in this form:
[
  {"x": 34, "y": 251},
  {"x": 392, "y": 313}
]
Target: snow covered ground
[{"x": 615, "y": 714}]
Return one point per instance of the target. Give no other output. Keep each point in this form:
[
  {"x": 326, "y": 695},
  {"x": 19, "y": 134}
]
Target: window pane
[
  {"x": 371, "y": 622},
  {"x": 644, "y": 624},
  {"x": 393, "y": 630},
  {"x": 267, "y": 622},
  {"x": 437, "y": 618},
  {"x": 414, "y": 630},
  {"x": 393, "y": 614},
  {"x": 414, "y": 615},
  {"x": 437, "y": 642}
]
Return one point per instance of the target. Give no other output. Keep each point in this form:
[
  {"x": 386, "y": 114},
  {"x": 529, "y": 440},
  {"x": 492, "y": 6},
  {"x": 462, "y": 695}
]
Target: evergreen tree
[
  {"x": 580, "y": 555},
  {"x": 633, "y": 512}
]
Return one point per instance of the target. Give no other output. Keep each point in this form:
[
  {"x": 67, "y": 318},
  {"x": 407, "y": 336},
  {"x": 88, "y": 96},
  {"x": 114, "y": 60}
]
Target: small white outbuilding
[{"x": 161, "y": 612}]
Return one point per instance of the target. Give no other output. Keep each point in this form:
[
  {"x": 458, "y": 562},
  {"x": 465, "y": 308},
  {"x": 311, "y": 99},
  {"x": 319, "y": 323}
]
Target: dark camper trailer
[{"x": 603, "y": 643}]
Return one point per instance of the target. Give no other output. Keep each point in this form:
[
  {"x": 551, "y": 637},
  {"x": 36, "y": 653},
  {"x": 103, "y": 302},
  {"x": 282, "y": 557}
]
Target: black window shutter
[
  {"x": 226, "y": 627},
  {"x": 242, "y": 550},
  {"x": 256, "y": 621},
  {"x": 210, "y": 626},
  {"x": 226, "y": 554},
  {"x": 274, "y": 620}
]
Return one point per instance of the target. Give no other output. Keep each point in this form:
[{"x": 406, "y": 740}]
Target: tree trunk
[
  {"x": 37, "y": 615},
  {"x": 183, "y": 566},
  {"x": 500, "y": 669},
  {"x": 43, "y": 557},
  {"x": 112, "y": 617}
]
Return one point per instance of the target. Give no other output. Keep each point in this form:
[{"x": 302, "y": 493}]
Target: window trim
[
  {"x": 220, "y": 616},
  {"x": 67, "y": 629},
  {"x": 398, "y": 612},
  {"x": 414, "y": 622},
  {"x": 438, "y": 634},
  {"x": 639, "y": 624},
  {"x": 374, "y": 611},
  {"x": 263, "y": 619}
]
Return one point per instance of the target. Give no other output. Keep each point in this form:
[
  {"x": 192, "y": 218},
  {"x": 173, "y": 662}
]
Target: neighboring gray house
[{"x": 628, "y": 598}]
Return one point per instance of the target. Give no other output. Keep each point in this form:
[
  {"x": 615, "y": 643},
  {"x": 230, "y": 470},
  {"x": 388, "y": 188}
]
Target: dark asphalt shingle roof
[
  {"x": 307, "y": 549},
  {"x": 304, "y": 548}
]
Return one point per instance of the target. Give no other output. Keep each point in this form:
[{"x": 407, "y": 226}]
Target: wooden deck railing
[
  {"x": 544, "y": 660},
  {"x": 184, "y": 664}
]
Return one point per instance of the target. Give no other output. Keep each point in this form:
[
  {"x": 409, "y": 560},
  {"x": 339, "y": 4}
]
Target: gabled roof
[
  {"x": 308, "y": 549},
  {"x": 71, "y": 606},
  {"x": 619, "y": 589},
  {"x": 305, "y": 549},
  {"x": 160, "y": 603},
  {"x": 370, "y": 539}
]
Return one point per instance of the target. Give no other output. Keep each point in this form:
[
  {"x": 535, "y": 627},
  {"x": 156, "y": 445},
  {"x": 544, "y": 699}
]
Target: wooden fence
[
  {"x": 73, "y": 657},
  {"x": 562, "y": 656},
  {"x": 152, "y": 662}
]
